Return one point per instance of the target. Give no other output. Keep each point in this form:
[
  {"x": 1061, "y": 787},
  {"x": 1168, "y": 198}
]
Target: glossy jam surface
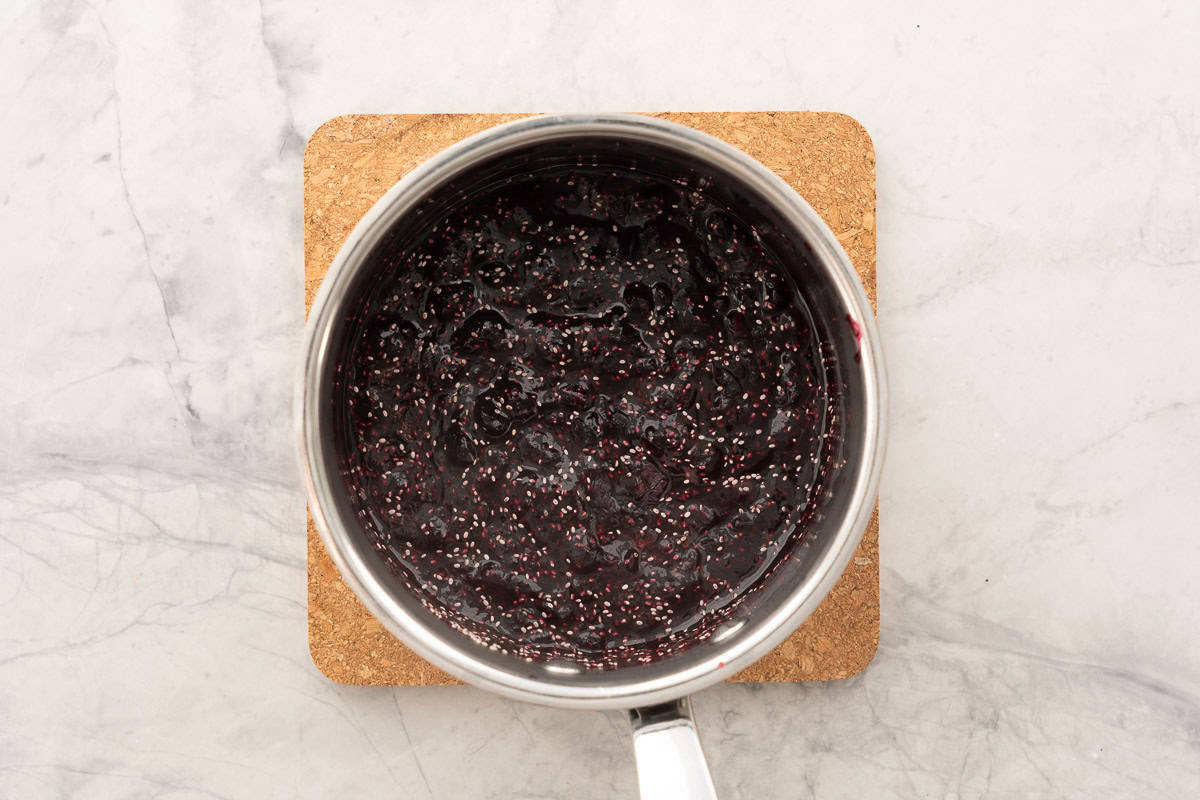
[{"x": 584, "y": 414}]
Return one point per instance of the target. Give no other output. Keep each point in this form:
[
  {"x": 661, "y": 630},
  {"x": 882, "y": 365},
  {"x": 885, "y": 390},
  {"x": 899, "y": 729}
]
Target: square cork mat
[{"x": 352, "y": 160}]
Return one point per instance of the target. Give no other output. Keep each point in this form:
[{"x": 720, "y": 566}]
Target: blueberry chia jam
[{"x": 584, "y": 412}]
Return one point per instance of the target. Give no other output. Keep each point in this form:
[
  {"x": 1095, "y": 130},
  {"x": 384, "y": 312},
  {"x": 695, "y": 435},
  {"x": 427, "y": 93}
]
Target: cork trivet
[{"x": 351, "y": 161}]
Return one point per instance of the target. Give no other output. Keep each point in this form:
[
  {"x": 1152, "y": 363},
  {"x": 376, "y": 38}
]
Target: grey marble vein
[{"x": 1039, "y": 275}]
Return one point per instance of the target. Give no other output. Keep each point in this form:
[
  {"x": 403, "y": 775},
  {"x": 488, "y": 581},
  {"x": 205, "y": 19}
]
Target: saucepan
[{"x": 670, "y": 761}]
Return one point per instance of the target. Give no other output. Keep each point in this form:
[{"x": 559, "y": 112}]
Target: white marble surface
[{"x": 1039, "y": 288}]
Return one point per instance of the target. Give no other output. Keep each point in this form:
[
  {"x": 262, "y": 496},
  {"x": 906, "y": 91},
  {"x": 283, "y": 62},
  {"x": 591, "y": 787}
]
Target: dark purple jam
[{"x": 585, "y": 414}]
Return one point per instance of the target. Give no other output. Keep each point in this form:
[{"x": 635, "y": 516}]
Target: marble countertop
[{"x": 1039, "y": 284}]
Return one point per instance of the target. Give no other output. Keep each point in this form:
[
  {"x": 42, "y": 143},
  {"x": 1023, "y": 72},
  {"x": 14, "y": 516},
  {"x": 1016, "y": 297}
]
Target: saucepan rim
[{"x": 784, "y": 617}]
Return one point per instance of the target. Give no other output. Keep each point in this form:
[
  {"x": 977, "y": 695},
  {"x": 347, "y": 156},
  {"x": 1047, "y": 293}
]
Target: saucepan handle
[{"x": 670, "y": 761}]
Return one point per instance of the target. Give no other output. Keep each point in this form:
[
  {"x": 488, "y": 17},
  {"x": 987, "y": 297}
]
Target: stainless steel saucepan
[{"x": 670, "y": 762}]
